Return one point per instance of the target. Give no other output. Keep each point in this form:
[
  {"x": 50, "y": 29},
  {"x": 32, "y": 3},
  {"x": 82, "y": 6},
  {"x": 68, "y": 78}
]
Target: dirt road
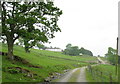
[
  {"x": 78, "y": 74},
  {"x": 75, "y": 75}
]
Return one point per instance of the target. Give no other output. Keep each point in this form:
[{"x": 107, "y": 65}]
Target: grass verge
[{"x": 101, "y": 73}]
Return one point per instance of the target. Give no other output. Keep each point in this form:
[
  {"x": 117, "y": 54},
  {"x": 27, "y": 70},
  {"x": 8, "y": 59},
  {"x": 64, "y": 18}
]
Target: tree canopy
[
  {"x": 32, "y": 21},
  {"x": 75, "y": 51},
  {"x": 111, "y": 55},
  {"x": 85, "y": 52}
]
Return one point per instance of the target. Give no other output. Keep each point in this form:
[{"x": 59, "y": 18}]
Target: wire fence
[{"x": 99, "y": 75}]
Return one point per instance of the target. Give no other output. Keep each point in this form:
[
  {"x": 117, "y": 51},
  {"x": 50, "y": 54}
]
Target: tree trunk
[
  {"x": 27, "y": 46},
  {"x": 27, "y": 49},
  {"x": 10, "y": 48}
]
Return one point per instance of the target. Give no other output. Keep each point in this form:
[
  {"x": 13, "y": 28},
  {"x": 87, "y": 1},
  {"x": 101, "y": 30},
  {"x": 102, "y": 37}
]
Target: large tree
[{"x": 32, "y": 21}]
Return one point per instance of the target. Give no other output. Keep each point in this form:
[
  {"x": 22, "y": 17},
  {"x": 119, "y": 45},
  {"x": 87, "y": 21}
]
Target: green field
[
  {"x": 0, "y": 69},
  {"x": 102, "y": 73},
  {"x": 48, "y": 63}
]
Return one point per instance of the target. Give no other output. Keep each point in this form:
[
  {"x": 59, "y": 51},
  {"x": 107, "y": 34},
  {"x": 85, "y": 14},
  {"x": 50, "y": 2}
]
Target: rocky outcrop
[
  {"x": 55, "y": 75},
  {"x": 16, "y": 70}
]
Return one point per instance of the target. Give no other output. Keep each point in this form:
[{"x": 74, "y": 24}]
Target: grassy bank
[
  {"x": 38, "y": 65},
  {"x": 0, "y": 69},
  {"x": 101, "y": 73}
]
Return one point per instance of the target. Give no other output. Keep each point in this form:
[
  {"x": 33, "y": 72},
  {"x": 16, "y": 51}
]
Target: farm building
[{"x": 54, "y": 49}]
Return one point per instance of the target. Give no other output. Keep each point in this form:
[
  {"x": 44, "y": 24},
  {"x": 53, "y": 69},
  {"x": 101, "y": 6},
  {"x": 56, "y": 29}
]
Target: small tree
[
  {"x": 111, "y": 55},
  {"x": 68, "y": 46},
  {"x": 41, "y": 46}
]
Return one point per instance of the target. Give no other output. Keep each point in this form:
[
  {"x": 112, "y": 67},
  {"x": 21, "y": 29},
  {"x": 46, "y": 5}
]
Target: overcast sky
[{"x": 92, "y": 24}]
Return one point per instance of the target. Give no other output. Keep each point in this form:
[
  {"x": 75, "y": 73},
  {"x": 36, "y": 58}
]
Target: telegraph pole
[
  {"x": 117, "y": 58},
  {"x": 118, "y": 40}
]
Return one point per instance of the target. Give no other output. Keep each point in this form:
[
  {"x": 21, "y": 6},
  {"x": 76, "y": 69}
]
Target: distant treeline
[{"x": 75, "y": 51}]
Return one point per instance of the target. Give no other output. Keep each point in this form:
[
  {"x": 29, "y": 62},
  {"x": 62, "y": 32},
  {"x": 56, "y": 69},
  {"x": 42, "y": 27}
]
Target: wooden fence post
[
  {"x": 110, "y": 78},
  {"x": 101, "y": 76}
]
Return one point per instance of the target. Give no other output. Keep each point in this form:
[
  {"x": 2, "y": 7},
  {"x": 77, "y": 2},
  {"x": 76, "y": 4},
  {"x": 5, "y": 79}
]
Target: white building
[{"x": 54, "y": 49}]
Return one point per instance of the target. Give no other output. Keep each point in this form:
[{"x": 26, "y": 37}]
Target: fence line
[{"x": 100, "y": 76}]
